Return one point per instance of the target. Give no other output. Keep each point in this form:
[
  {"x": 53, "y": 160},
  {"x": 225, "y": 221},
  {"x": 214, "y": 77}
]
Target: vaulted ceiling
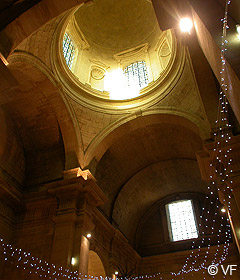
[
  {"x": 134, "y": 165},
  {"x": 146, "y": 165},
  {"x": 117, "y": 26}
]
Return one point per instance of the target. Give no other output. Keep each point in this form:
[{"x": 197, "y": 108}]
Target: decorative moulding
[{"x": 132, "y": 54}]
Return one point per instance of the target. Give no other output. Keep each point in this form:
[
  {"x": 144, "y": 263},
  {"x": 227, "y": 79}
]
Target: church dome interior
[
  {"x": 118, "y": 65},
  {"x": 119, "y": 139}
]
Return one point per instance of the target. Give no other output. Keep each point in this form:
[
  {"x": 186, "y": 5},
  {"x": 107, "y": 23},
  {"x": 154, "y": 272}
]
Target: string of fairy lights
[
  {"x": 221, "y": 166},
  {"x": 220, "y": 181}
]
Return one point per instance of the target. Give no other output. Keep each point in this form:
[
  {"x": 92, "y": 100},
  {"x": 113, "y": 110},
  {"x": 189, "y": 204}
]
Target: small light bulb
[
  {"x": 223, "y": 210},
  {"x": 186, "y": 24},
  {"x": 116, "y": 272},
  {"x": 73, "y": 261},
  {"x": 89, "y": 235}
]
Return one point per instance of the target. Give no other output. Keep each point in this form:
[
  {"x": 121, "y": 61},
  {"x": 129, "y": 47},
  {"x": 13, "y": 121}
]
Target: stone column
[
  {"x": 233, "y": 215},
  {"x": 64, "y": 223},
  {"x": 77, "y": 196},
  {"x": 84, "y": 226},
  {"x": 84, "y": 253}
]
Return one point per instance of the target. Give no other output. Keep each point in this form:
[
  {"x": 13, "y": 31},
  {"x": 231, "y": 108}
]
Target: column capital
[
  {"x": 78, "y": 184},
  {"x": 78, "y": 172}
]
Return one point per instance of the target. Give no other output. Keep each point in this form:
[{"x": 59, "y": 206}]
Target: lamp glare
[{"x": 186, "y": 25}]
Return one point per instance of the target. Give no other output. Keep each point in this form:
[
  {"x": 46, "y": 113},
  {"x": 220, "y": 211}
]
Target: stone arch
[
  {"x": 140, "y": 119},
  {"x": 38, "y": 100},
  {"x": 28, "y": 22},
  {"x": 95, "y": 265},
  {"x": 151, "y": 184},
  {"x": 155, "y": 148}
]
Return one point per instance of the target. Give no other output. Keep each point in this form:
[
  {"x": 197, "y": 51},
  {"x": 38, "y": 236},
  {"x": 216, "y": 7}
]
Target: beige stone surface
[
  {"x": 39, "y": 43},
  {"x": 73, "y": 161}
]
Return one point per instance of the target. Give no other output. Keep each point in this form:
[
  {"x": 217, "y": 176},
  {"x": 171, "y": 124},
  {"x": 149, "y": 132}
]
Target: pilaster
[
  {"x": 229, "y": 191},
  {"x": 77, "y": 196}
]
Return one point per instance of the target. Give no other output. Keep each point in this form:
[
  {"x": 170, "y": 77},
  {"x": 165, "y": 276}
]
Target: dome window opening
[
  {"x": 136, "y": 74},
  {"x": 68, "y": 50},
  {"x": 181, "y": 220}
]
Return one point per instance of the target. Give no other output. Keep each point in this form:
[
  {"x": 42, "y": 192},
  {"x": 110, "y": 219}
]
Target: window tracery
[
  {"x": 68, "y": 50},
  {"x": 136, "y": 74}
]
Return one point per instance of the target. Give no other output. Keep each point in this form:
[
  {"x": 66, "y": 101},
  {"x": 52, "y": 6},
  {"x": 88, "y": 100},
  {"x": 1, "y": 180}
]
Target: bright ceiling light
[
  {"x": 186, "y": 25},
  {"x": 223, "y": 210},
  {"x": 89, "y": 235},
  {"x": 238, "y": 30}
]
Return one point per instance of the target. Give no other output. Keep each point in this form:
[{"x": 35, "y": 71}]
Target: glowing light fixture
[
  {"x": 73, "y": 261},
  {"x": 116, "y": 272},
  {"x": 186, "y": 25},
  {"x": 89, "y": 235},
  {"x": 223, "y": 210}
]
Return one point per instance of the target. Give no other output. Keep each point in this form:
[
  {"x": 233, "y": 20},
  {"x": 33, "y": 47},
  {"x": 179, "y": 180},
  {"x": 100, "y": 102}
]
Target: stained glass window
[
  {"x": 181, "y": 220},
  {"x": 137, "y": 74},
  {"x": 68, "y": 50}
]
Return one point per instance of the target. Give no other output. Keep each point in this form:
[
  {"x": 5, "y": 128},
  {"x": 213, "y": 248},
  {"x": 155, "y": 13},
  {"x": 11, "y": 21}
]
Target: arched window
[
  {"x": 68, "y": 50},
  {"x": 181, "y": 220},
  {"x": 137, "y": 74}
]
